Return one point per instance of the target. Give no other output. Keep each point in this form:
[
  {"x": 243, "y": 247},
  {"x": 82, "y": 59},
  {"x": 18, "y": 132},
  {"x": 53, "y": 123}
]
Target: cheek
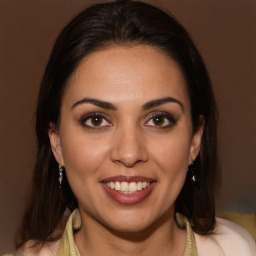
[
  {"x": 83, "y": 159},
  {"x": 171, "y": 154},
  {"x": 82, "y": 156}
]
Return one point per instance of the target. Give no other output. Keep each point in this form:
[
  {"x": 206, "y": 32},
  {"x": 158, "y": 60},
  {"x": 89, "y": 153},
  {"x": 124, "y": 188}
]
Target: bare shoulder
[
  {"x": 48, "y": 249},
  {"x": 228, "y": 239}
]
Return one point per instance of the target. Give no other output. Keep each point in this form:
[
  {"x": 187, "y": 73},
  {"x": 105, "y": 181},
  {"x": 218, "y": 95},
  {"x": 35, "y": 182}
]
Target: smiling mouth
[{"x": 126, "y": 187}]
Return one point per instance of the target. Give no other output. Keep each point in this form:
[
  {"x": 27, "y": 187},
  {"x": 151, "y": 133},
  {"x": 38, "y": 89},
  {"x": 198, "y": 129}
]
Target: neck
[{"x": 163, "y": 237}]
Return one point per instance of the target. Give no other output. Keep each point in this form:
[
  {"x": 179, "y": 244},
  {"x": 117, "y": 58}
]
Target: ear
[
  {"x": 55, "y": 144},
  {"x": 196, "y": 140}
]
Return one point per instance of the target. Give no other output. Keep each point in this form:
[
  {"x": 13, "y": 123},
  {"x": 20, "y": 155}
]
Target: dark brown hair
[{"x": 124, "y": 23}]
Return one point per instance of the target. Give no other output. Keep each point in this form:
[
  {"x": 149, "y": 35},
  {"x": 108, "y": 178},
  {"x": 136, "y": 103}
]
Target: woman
[{"x": 126, "y": 128}]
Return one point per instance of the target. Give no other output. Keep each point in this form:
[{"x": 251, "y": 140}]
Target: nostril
[
  {"x": 130, "y": 159},
  {"x": 128, "y": 163},
  {"x": 128, "y": 148}
]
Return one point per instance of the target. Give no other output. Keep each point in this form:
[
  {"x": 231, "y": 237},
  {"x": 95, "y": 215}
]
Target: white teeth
[
  {"x": 124, "y": 186},
  {"x": 112, "y": 185},
  {"x": 117, "y": 185},
  {"x": 127, "y": 188},
  {"x": 139, "y": 185},
  {"x": 132, "y": 187},
  {"x": 144, "y": 184}
]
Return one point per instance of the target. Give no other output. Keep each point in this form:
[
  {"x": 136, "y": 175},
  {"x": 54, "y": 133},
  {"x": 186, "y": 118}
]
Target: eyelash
[
  {"x": 166, "y": 116},
  {"x": 90, "y": 116}
]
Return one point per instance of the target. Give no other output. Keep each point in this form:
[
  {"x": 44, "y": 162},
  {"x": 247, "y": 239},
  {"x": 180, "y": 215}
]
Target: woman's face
[{"x": 125, "y": 136}]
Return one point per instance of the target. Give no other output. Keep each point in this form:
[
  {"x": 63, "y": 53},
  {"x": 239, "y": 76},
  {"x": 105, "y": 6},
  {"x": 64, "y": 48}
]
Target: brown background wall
[{"x": 225, "y": 32}]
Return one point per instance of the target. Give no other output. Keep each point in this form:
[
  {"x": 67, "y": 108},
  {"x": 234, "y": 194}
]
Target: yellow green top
[{"x": 67, "y": 246}]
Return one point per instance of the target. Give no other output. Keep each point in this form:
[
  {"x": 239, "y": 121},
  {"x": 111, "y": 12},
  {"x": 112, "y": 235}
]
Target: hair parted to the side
[{"x": 125, "y": 23}]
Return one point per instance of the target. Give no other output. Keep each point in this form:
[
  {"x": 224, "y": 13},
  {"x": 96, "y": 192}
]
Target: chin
[
  {"x": 132, "y": 222},
  {"x": 125, "y": 228}
]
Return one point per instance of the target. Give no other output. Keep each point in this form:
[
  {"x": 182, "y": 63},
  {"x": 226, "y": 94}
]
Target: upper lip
[{"x": 128, "y": 179}]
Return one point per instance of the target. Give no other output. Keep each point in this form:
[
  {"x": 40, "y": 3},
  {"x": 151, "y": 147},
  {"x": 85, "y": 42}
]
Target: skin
[{"x": 127, "y": 141}]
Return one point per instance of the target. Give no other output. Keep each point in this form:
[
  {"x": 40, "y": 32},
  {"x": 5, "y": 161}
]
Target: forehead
[{"x": 119, "y": 74}]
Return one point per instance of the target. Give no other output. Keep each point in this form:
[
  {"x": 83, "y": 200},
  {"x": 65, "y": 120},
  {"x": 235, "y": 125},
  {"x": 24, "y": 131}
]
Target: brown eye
[
  {"x": 161, "y": 120},
  {"x": 96, "y": 121},
  {"x": 158, "y": 120}
]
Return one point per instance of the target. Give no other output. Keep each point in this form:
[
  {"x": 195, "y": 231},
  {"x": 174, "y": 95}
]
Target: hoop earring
[{"x": 60, "y": 175}]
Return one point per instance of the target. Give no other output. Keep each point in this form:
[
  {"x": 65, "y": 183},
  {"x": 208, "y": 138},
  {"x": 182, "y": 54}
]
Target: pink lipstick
[{"x": 128, "y": 189}]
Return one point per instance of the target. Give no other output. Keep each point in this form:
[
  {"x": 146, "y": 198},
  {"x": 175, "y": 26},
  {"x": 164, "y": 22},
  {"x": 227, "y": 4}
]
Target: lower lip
[{"x": 129, "y": 198}]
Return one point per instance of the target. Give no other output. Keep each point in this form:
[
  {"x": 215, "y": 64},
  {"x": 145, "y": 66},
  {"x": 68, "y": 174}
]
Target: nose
[{"x": 128, "y": 147}]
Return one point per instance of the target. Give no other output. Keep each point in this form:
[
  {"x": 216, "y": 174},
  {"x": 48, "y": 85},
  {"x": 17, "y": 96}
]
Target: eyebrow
[
  {"x": 110, "y": 106},
  {"x": 96, "y": 102},
  {"x": 161, "y": 101}
]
